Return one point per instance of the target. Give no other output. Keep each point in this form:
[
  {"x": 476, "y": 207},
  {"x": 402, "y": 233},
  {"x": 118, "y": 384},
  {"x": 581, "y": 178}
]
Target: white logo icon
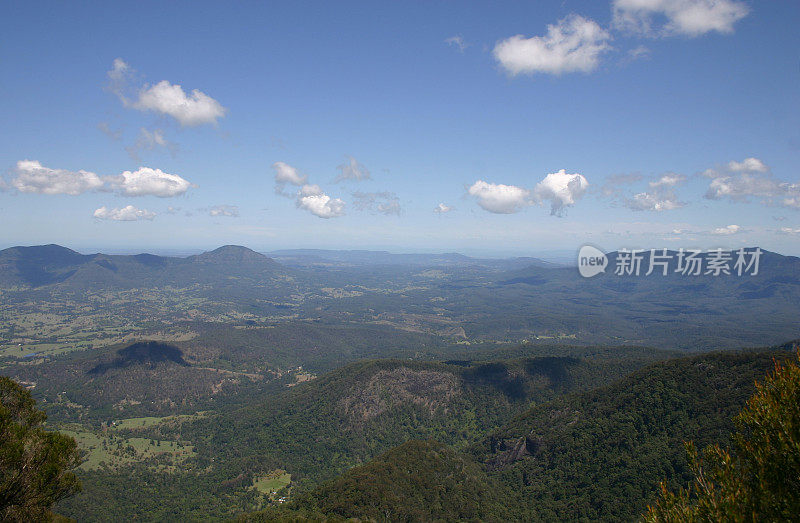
[{"x": 591, "y": 261}]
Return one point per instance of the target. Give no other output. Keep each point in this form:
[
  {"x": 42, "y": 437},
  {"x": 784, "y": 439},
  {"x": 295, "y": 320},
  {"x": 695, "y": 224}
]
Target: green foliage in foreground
[
  {"x": 600, "y": 455},
  {"x": 595, "y": 455},
  {"x": 322, "y": 428},
  {"x": 34, "y": 464},
  {"x": 759, "y": 479},
  {"x": 417, "y": 481},
  {"x": 585, "y": 456}
]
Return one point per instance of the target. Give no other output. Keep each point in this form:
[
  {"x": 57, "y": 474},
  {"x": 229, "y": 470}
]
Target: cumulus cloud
[
  {"x": 751, "y": 179},
  {"x": 653, "y": 201},
  {"x": 753, "y": 165},
  {"x": 193, "y": 109},
  {"x": 660, "y": 195},
  {"x": 727, "y": 230},
  {"x": 561, "y": 190},
  {"x": 574, "y": 44},
  {"x": 686, "y": 17},
  {"x": 442, "y": 209},
  {"x": 668, "y": 180},
  {"x": 382, "y": 202},
  {"x": 499, "y": 198},
  {"x": 128, "y": 213},
  {"x": 190, "y": 110},
  {"x": 457, "y": 41},
  {"x": 312, "y": 199},
  {"x": 309, "y": 197},
  {"x": 231, "y": 211},
  {"x": 352, "y": 170},
  {"x": 30, "y": 176},
  {"x": 285, "y": 173},
  {"x": 149, "y": 182}
]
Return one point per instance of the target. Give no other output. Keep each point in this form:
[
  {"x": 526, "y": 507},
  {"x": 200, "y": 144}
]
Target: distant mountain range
[
  {"x": 445, "y": 294},
  {"x": 52, "y": 264},
  {"x": 361, "y": 258}
]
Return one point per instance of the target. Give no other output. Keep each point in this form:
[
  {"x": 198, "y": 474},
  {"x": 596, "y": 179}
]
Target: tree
[
  {"x": 34, "y": 463},
  {"x": 759, "y": 479}
]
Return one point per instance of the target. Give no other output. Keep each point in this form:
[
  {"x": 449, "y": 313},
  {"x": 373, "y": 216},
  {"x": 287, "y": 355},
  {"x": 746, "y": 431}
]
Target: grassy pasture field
[
  {"x": 151, "y": 421},
  {"x": 108, "y": 450},
  {"x": 271, "y": 483}
]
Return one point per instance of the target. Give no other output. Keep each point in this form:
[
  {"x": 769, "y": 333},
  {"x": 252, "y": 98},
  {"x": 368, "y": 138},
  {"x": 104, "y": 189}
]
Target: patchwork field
[{"x": 108, "y": 450}]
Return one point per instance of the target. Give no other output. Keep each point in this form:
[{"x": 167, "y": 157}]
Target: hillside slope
[
  {"x": 321, "y": 428},
  {"x": 595, "y": 455},
  {"x": 43, "y": 265}
]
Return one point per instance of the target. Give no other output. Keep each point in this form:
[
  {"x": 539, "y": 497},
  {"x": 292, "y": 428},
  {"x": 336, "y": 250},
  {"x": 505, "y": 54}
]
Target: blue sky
[{"x": 436, "y": 126}]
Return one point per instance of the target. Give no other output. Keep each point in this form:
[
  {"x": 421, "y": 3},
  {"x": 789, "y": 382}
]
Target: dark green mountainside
[
  {"x": 595, "y": 455},
  {"x": 321, "y": 428}
]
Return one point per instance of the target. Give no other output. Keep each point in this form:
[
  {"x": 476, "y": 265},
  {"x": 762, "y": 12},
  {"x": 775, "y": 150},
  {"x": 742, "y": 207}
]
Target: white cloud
[
  {"x": 659, "y": 197},
  {"x": 309, "y": 197},
  {"x": 314, "y": 200},
  {"x": 352, "y": 170},
  {"x": 668, "y": 180},
  {"x": 457, "y": 41},
  {"x": 382, "y": 202},
  {"x": 285, "y": 173},
  {"x": 165, "y": 98},
  {"x": 561, "y": 190},
  {"x": 149, "y": 182},
  {"x": 573, "y": 44},
  {"x": 224, "y": 210},
  {"x": 789, "y": 230},
  {"x": 442, "y": 209},
  {"x": 751, "y": 178},
  {"x": 499, "y": 198},
  {"x": 125, "y": 214},
  {"x": 729, "y": 229},
  {"x": 686, "y": 17},
  {"x": 748, "y": 165},
  {"x": 653, "y": 202},
  {"x": 32, "y": 177},
  {"x": 196, "y": 108}
]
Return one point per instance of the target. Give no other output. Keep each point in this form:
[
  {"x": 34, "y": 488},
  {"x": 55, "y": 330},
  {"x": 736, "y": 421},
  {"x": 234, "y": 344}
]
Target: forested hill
[
  {"x": 351, "y": 414},
  {"x": 595, "y": 455},
  {"x": 318, "y": 429},
  {"x": 37, "y": 266}
]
